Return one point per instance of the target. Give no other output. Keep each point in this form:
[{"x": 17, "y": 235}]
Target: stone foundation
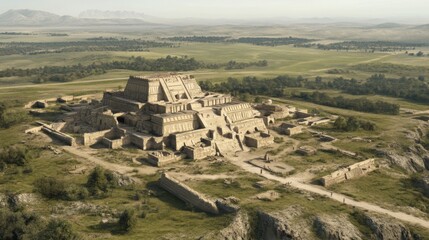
[
  {"x": 187, "y": 194},
  {"x": 353, "y": 171}
]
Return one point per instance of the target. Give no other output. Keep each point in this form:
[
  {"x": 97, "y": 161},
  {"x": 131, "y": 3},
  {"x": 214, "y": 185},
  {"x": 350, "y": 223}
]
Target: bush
[
  {"x": 353, "y": 124},
  {"x": 127, "y": 220},
  {"x": 58, "y": 230},
  {"x": 53, "y": 188},
  {"x": 97, "y": 181},
  {"x": 14, "y": 155},
  {"x": 19, "y": 225},
  {"x": 10, "y": 117}
]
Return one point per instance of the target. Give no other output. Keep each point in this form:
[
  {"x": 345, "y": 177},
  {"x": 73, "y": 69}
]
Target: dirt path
[
  {"x": 125, "y": 170},
  {"x": 296, "y": 182}
]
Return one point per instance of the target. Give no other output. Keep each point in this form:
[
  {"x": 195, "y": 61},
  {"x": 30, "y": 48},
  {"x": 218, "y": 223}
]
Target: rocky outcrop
[
  {"x": 336, "y": 228},
  {"x": 228, "y": 204},
  {"x": 187, "y": 194},
  {"x": 15, "y": 200},
  {"x": 415, "y": 158},
  {"x": 424, "y": 185},
  {"x": 239, "y": 229},
  {"x": 387, "y": 229},
  {"x": 283, "y": 225}
]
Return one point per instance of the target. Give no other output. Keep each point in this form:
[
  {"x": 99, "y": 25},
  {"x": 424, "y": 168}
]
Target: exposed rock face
[
  {"x": 228, "y": 205},
  {"x": 270, "y": 195},
  {"x": 416, "y": 157},
  {"x": 425, "y": 185},
  {"x": 122, "y": 180},
  {"x": 387, "y": 229},
  {"x": 283, "y": 225},
  {"x": 336, "y": 228},
  {"x": 14, "y": 200},
  {"x": 239, "y": 229}
]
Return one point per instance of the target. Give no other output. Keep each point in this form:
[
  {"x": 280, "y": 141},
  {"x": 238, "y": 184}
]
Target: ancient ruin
[
  {"x": 170, "y": 111},
  {"x": 353, "y": 171}
]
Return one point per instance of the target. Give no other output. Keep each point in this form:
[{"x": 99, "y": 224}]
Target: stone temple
[{"x": 171, "y": 113}]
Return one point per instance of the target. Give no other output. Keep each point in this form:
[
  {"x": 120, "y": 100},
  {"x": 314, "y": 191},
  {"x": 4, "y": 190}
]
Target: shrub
[
  {"x": 58, "y": 230},
  {"x": 97, "y": 181},
  {"x": 53, "y": 188},
  {"x": 19, "y": 225},
  {"x": 127, "y": 220},
  {"x": 14, "y": 155},
  {"x": 353, "y": 124}
]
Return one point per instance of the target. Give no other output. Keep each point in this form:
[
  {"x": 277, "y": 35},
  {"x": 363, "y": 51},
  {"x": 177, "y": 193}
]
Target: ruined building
[{"x": 170, "y": 111}]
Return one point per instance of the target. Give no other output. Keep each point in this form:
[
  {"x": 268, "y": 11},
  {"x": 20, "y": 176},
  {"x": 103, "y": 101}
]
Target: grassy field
[{"x": 168, "y": 214}]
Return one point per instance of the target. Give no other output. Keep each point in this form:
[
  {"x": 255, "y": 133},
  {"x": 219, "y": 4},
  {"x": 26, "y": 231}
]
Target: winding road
[{"x": 295, "y": 182}]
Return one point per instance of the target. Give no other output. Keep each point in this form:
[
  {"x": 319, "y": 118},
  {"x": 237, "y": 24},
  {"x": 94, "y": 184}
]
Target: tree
[
  {"x": 97, "y": 181},
  {"x": 258, "y": 99},
  {"x": 127, "y": 220},
  {"x": 58, "y": 230},
  {"x": 353, "y": 124},
  {"x": 340, "y": 123}
]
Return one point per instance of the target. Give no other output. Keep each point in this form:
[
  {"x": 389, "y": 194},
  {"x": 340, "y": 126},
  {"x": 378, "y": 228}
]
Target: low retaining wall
[
  {"x": 94, "y": 137},
  {"x": 69, "y": 140},
  {"x": 187, "y": 194},
  {"x": 352, "y": 171}
]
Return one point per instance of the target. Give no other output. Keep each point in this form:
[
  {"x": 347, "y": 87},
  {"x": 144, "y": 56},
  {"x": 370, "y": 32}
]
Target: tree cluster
[
  {"x": 95, "y": 44},
  {"x": 22, "y": 225},
  {"x": 353, "y": 124},
  {"x": 98, "y": 183},
  {"x": 359, "y": 104},
  {"x": 262, "y": 41},
  {"x": 367, "y": 46},
  {"x": 169, "y": 63},
  {"x": 275, "y": 87}
]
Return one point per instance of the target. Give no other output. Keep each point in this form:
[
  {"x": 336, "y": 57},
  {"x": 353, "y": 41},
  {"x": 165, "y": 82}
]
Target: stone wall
[
  {"x": 199, "y": 152},
  {"x": 69, "y": 140},
  {"x": 249, "y": 125},
  {"x": 190, "y": 138},
  {"x": 290, "y": 129},
  {"x": 94, "y": 137},
  {"x": 162, "y": 158},
  {"x": 120, "y": 104},
  {"x": 258, "y": 140},
  {"x": 115, "y": 143},
  {"x": 352, "y": 171},
  {"x": 187, "y": 194},
  {"x": 164, "y": 125},
  {"x": 238, "y": 112}
]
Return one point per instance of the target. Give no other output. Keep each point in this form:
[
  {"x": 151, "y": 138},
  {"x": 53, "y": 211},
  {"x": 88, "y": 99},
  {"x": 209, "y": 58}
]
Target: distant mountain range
[
  {"x": 26, "y": 17},
  {"x": 111, "y": 14}
]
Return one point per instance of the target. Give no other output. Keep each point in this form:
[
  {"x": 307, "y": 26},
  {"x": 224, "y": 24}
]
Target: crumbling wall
[
  {"x": 161, "y": 158},
  {"x": 249, "y": 125},
  {"x": 115, "y": 143},
  {"x": 94, "y": 137},
  {"x": 352, "y": 171},
  {"x": 258, "y": 140},
  {"x": 187, "y": 194},
  {"x": 199, "y": 152},
  {"x": 69, "y": 140},
  {"x": 180, "y": 140}
]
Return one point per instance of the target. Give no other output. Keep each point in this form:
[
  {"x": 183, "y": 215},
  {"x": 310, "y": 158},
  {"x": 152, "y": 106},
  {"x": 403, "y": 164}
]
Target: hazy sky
[{"x": 236, "y": 8}]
